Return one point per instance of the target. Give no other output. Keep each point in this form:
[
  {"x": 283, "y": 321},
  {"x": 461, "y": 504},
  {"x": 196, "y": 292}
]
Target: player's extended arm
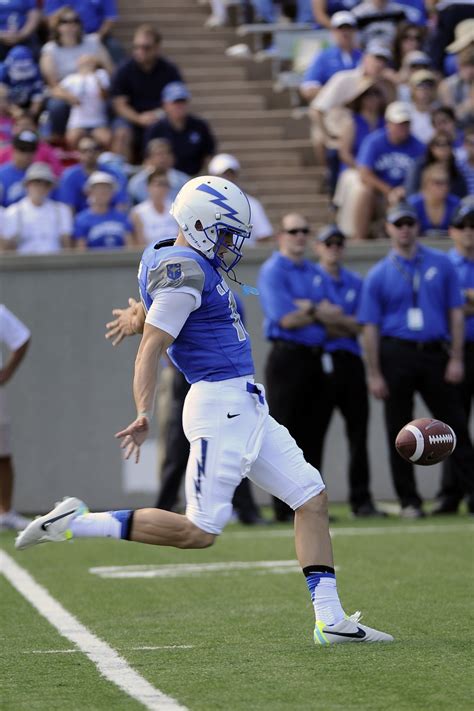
[
  {"x": 128, "y": 322},
  {"x": 153, "y": 346}
]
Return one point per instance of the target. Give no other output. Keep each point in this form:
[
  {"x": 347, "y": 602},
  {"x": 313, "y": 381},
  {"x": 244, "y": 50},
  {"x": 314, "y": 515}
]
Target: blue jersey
[
  {"x": 102, "y": 231},
  {"x": 213, "y": 343},
  {"x": 330, "y": 61},
  {"x": 72, "y": 183},
  {"x": 426, "y": 226},
  {"x": 280, "y": 283},
  {"x": 13, "y": 13},
  {"x": 92, "y": 12},
  {"x": 11, "y": 184},
  {"x": 21, "y": 74},
  {"x": 465, "y": 271},
  {"x": 388, "y": 161},
  {"x": 345, "y": 291},
  {"x": 389, "y": 293}
]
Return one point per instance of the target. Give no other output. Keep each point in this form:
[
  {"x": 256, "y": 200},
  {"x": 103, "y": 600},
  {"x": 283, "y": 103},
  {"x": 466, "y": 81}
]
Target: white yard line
[
  {"x": 133, "y": 649},
  {"x": 356, "y": 531},
  {"x": 179, "y": 570},
  {"x": 110, "y": 664}
]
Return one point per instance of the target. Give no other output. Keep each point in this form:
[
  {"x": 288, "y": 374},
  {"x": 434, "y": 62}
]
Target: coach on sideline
[
  {"x": 295, "y": 305},
  {"x": 412, "y": 311}
]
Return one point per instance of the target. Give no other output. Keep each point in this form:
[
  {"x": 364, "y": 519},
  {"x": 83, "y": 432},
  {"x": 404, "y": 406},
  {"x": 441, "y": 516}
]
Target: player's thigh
[{"x": 282, "y": 470}]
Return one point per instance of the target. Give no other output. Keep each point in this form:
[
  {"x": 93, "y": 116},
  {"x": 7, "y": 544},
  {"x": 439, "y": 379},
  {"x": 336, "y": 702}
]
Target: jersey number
[{"x": 236, "y": 322}]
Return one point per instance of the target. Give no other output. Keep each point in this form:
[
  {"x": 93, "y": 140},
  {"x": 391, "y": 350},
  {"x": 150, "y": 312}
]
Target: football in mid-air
[{"x": 425, "y": 441}]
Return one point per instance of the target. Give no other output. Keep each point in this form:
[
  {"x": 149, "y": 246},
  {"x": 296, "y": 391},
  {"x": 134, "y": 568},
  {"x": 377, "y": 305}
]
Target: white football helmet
[{"x": 209, "y": 210}]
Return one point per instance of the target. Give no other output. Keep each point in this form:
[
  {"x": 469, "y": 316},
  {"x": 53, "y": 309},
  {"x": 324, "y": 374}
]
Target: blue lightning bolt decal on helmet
[{"x": 214, "y": 217}]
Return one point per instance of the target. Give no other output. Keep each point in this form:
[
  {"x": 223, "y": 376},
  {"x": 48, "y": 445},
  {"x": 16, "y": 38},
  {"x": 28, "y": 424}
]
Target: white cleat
[
  {"x": 348, "y": 630},
  {"x": 54, "y": 526}
]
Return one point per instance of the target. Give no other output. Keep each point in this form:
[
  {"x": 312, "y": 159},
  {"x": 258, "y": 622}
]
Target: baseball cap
[
  {"x": 339, "y": 19},
  {"x": 464, "y": 210},
  {"x": 26, "y": 141},
  {"x": 398, "y": 112},
  {"x": 416, "y": 58},
  {"x": 223, "y": 162},
  {"x": 397, "y": 212},
  {"x": 328, "y": 232},
  {"x": 379, "y": 50},
  {"x": 422, "y": 75},
  {"x": 100, "y": 177},
  {"x": 175, "y": 91},
  {"x": 464, "y": 34},
  {"x": 39, "y": 171}
]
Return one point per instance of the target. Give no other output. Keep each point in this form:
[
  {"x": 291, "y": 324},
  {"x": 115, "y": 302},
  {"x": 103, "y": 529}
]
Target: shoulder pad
[{"x": 175, "y": 271}]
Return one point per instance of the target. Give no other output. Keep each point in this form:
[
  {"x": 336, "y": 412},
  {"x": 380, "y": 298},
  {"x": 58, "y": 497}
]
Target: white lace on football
[{"x": 440, "y": 438}]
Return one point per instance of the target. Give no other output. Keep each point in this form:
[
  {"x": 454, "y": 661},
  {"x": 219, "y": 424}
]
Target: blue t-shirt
[
  {"x": 345, "y": 291},
  {"x": 362, "y": 129},
  {"x": 389, "y": 292},
  {"x": 388, "y": 161},
  {"x": 102, "y": 231},
  {"x": 465, "y": 271},
  {"x": 13, "y": 13},
  {"x": 92, "y": 12},
  {"x": 415, "y": 10},
  {"x": 418, "y": 202},
  {"x": 72, "y": 183},
  {"x": 280, "y": 282},
  {"x": 21, "y": 74},
  {"x": 330, "y": 61},
  {"x": 11, "y": 184},
  {"x": 213, "y": 343}
]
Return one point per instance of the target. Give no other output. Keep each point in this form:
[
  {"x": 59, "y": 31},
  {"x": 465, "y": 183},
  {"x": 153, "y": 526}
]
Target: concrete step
[
  {"x": 223, "y": 72},
  {"x": 236, "y": 133},
  {"x": 285, "y": 172},
  {"x": 208, "y": 101},
  {"x": 291, "y": 185},
  {"x": 304, "y": 200},
  {"x": 227, "y": 88}
]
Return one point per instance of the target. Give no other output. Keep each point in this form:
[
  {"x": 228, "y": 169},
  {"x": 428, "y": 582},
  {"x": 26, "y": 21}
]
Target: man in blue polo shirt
[
  {"x": 461, "y": 232},
  {"x": 12, "y": 173},
  {"x": 295, "y": 304},
  {"x": 344, "y": 366},
  {"x": 343, "y": 54},
  {"x": 384, "y": 160},
  {"x": 412, "y": 311}
]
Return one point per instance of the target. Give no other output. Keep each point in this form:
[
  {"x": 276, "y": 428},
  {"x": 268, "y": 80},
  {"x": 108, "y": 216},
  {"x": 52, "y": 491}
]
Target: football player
[{"x": 189, "y": 312}]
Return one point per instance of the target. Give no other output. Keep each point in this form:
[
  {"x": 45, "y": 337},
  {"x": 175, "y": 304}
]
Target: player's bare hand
[
  {"x": 378, "y": 387},
  {"x": 124, "y": 323},
  {"x": 133, "y": 437},
  {"x": 454, "y": 372}
]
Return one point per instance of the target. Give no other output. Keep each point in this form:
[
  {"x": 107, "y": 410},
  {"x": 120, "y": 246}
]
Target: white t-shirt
[
  {"x": 156, "y": 226},
  {"x": 91, "y": 112},
  {"x": 421, "y": 126},
  {"x": 38, "y": 230},
  {"x": 261, "y": 226},
  {"x": 65, "y": 58}
]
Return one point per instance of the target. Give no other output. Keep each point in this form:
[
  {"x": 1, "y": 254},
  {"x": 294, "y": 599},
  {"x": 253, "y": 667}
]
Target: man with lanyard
[
  {"x": 343, "y": 364},
  {"x": 461, "y": 232},
  {"x": 412, "y": 311},
  {"x": 295, "y": 305}
]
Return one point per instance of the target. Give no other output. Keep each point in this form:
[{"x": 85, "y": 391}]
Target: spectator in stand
[
  {"x": 151, "y": 219},
  {"x": 227, "y": 166},
  {"x": 434, "y": 205},
  {"x": 443, "y": 119},
  {"x": 19, "y": 20},
  {"x": 86, "y": 91},
  {"x": 12, "y": 173},
  {"x": 423, "y": 103},
  {"x": 438, "y": 150},
  {"x": 450, "y": 15},
  {"x": 21, "y": 74},
  {"x": 6, "y": 120},
  {"x": 378, "y": 20},
  {"x": 45, "y": 153},
  {"x": 323, "y": 10},
  {"x": 60, "y": 57},
  {"x": 466, "y": 164},
  {"x": 97, "y": 16},
  {"x": 409, "y": 38},
  {"x": 416, "y": 11},
  {"x": 16, "y": 336},
  {"x": 158, "y": 155},
  {"x": 342, "y": 54},
  {"x": 412, "y": 62},
  {"x": 383, "y": 162},
  {"x": 190, "y": 137},
  {"x": 36, "y": 224},
  {"x": 101, "y": 226},
  {"x": 71, "y": 188},
  {"x": 137, "y": 87},
  {"x": 457, "y": 90}
]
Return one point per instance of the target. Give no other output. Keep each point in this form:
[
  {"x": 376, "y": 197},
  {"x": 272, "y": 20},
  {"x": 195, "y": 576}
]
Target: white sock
[
  {"x": 327, "y": 606},
  {"x": 99, "y": 525}
]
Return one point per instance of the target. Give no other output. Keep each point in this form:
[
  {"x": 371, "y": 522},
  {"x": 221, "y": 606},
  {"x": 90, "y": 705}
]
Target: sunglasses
[
  {"x": 404, "y": 222},
  {"x": 442, "y": 144},
  {"x": 439, "y": 181},
  {"x": 298, "y": 231},
  {"x": 143, "y": 47},
  {"x": 69, "y": 21},
  {"x": 412, "y": 36},
  {"x": 88, "y": 149},
  {"x": 334, "y": 243}
]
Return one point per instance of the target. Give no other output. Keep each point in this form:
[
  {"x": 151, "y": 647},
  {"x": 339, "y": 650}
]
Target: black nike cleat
[{"x": 348, "y": 630}]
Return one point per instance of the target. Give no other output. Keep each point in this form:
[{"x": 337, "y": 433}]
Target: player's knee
[
  {"x": 195, "y": 537},
  {"x": 316, "y": 506}
]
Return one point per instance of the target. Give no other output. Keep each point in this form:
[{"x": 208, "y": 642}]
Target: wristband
[{"x": 146, "y": 414}]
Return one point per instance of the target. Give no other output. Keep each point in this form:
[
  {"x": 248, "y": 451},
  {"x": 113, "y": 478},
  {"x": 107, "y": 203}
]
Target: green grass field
[{"x": 240, "y": 640}]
